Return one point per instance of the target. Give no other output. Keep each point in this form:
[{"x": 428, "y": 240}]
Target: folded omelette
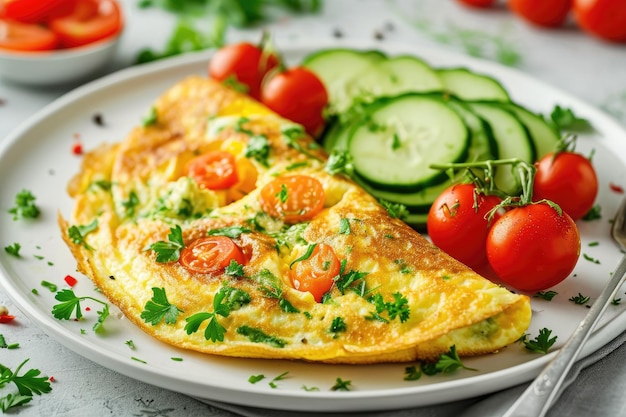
[{"x": 395, "y": 297}]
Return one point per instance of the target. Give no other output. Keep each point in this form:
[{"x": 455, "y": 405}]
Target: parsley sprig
[
  {"x": 169, "y": 251},
  {"x": 158, "y": 308},
  {"x": 542, "y": 343},
  {"x": 77, "y": 233},
  {"x": 399, "y": 307},
  {"x": 70, "y": 304},
  {"x": 27, "y": 384}
]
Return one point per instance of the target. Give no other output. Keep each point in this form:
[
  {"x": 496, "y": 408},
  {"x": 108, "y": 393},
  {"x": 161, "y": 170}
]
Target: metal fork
[{"x": 539, "y": 396}]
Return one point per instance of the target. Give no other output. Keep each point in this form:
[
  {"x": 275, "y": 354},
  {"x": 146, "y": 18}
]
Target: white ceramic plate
[{"x": 38, "y": 157}]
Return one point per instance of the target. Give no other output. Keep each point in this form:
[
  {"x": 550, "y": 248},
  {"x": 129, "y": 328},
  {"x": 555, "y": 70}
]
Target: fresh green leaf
[
  {"x": 546, "y": 295},
  {"x": 130, "y": 204},
  {"x": 565, "y": 119},
  {"x": 253, "y": 379},
  {"x": 169, "y": 251},
  {"x": 580, "y": 299},
  {"x": 234, "y": 269},
  {"x": 339, "y": 162},
  {"x": 307, "y": 254},
  {"x": 151, "y": 118},
  {"x": 70, "y": 303},
  {"x": 232, "y": 232},
  {"x": 27, "y": 384},
  {"x": 412, "y": 373},
  {"x": 258, "y": 336},
  {"x": 341, "y": 385},
  {"x": 542, "y": 343},
  {"x": 13, "y": 400},
  {"x": 77, "y": 233},
  {"x": 13, "y": 249},
  {"x": 259, "y": 149},
  {"x": 344, "y": 227},
  {"x": 447, "y": 363},
  {"x": 159, "y": 308}
]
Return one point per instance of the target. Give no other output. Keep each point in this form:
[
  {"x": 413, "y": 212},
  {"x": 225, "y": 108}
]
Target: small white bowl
[{"x": 59, "y": 66}]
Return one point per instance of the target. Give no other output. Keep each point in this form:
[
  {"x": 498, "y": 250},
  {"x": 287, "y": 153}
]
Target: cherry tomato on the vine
[
  {"x": 216, "y": 170},
  {"x": 569, "y": 179},
  {"x": 315, "y": 274},
  {"x": 546, "y": 13},
  {"x": 533, "y": 247},
  {"x": 210, "y": 255},
  {"x": 243, "y": 63},
  {"x": 294, "y": 198},
  {"x": 457, "y": 223},
  {"x": 605, "y": 19},
  {"x": 477, "y": 3},
  {"x": 298, "y": 95}
]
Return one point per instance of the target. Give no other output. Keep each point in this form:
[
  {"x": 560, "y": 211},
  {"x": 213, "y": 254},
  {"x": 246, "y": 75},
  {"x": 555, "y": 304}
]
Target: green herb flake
[
  {"x": 77, "y": 233},
  {"x": 339, "y": 162},
  {"x": 232, "y": 232},
  {"x": 13, "y": 249},
  {"x": 412, "y": 373},
  {"x": 234, "y": 269},
  {"x": 310, "y": 389},
  {"x": 259, "y": 149},
  {"x": 283, "y": 194},
  {"x": 130, "y": 344},
  {"x": 273, "y": 382},
  {"x": 580, "y": 299},
  {"x": 591, "y": 259},
  {"x": 344, "y": 226},
  {"x": 253, "y": 379},
  {"x": 176, "y": 359},
  {"x": 130, "y": 204},
  {"x": 594, "y": 214},
  {"x": 159, "y": 308},
  {"x": 259, "y": 336},
  {"x": 138, "y": 360},
  {"x": 49, "y": 285},
  {"x": 546, "y": 295},
  {"x": 565, "y": 119},
  {"x": 25, "y": 207},
  {"x": 151, "y": 118},
  {"x": 307, "y": 254},
  {"x": 447, "y": 363},
  {"x": 338, "y": 325},
  {"x": 341, "y": 385}
]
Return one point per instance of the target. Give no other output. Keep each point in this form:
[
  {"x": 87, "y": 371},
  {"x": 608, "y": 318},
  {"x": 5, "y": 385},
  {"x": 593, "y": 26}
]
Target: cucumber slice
[
  {"x": 544, "y": 135},
  {"x": 469, "y": 85},
  {"x": 512, "y": 138},
  {"x": 336, "y": 67},
  {"x": 394, "y": 76},
  {"x": 402, "y": 136}
]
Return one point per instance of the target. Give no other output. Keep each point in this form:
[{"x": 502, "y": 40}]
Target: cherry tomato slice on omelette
[
  {"x": 89, "y": 21},
  {"x": 293, "y": 199},
  {"x": 18, "y": 36},
  {"x": 216, "y": 170},
  {"x": 315, "y": 273},
  {"x": 211, "y": 254}
]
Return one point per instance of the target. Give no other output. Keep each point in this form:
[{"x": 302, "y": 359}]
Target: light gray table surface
[{"x": 585, "y": 67}]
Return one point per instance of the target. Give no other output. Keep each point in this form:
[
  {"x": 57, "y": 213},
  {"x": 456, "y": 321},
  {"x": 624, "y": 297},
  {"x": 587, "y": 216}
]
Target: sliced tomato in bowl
[
  {"x": 33, "y": 11},
  {"x": 88, "y": 22},
  {"x": 27, "y": 37}
]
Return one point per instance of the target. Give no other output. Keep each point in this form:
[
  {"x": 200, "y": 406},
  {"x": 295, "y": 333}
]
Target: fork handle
[{"x": 538, "y": 397}]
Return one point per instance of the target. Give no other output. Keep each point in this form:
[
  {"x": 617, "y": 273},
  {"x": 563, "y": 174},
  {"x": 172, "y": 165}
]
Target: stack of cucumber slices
[{"x": 395, "y": 116}]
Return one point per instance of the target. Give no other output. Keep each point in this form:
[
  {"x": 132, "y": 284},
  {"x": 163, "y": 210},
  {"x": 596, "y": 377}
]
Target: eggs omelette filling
[{"x": 396, "y": 296}]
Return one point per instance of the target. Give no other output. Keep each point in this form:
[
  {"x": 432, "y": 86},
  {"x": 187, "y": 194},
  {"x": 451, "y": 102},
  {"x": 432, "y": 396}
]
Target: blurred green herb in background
[{"x": 202, "y": 24}]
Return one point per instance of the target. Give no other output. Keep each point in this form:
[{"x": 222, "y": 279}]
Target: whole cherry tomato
[
  {"x": 546, "y": 13},
  {"x": 244, "y": 63},
  {"x": 605, "y": 19},
  {"x": 298, "y": 95},
  {"x": 294, "y": 198},
  {"x": 315, "y": 273},
  {"x": 533, "y": 247},
  {"x": 210, "y": 255},
  {"x": 569, "y": 179},
  {"x": 457, "y": 223},
  {"x": 477, "y": 3}
]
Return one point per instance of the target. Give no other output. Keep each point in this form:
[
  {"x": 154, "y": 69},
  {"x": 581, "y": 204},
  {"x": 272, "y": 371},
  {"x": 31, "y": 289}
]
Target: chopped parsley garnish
[
  {"x": 77, "y": 233},
  {"x": 25, "y": 207},
  {"x": 307, "y": 254},
  {"x": 590, "y": 259},
  {"x": 395, "y": 210},
  {"x": 104, "y": 185},
  {"x": 253, "y": 379},
  {"x": 259, "y": 149},
  {"x": 27, "y": 384},
  {"x": 234, "y": 269},
  {"x": 13, "y": 249},
  {"x": 159, "y": 308},
  {"x": 280, "y": 377},
  {"x": 69, "y": 303},
  {"x": 399, "y": 307},
  {"x": 339, "y": 162},
  {"x": 130, "y": 204},
  {"x": 412, "y": 373},
  {"x": 580, "y": 299},
  {"x": 338, "y": 325},
  {"x": 341, "y": 385},
  {"x": 270, "y": 288},
  {"x": 282, "y": 195},
  {"x": 49, "y": 285},
  {"x": 232, "y": 232},
  {"x": 259, "y": 336},
  {"x": 565, "y": 119},
  {"x": 344, "y": 227},
  {"x": 546, "y": 295},
  {"x": 447, "y": 363},
  {"x": 130, "y": 344},
  {"x": 350, "y": 280},
  {"x": 151, "y": 118},
  {"x": 292, "y": 134},
  {"x": 594, "y": 214},
  {"x": 169, "y": 251},
  {"x": 541, "y": 343},
  {"x": 616, "y": 301}
]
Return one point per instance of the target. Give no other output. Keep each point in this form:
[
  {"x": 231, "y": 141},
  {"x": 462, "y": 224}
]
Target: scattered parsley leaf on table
[{"x": 27, "y": 384}]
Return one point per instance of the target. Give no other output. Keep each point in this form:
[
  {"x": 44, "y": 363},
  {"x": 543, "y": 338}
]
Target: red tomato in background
[
  {"x": 533, "y": 247},
  {"x": 210, "y": 255},
  {"x": 477, "y": 3},
  {"x": 215, "y": 170},
  {"x": 457, "y": 226},
  {"x": 605, "y": 19},
  {"x": 569, "y": 180},
  {"x": 27, "y": 37},
  {"x": 546, "y": 13},
  {"x": 246, "y": 62},
  {"x": 33, "y": 11},
  {"x": 293, "y": 199},
  {"x": 89, "y": 21},
  {"x": 298, "y": 95},
  {"x": 315, "y": 274}
]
